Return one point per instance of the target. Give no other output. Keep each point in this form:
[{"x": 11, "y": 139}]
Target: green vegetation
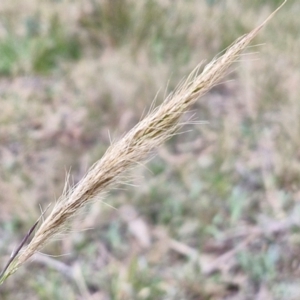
[{"x": 37, "y": 51}]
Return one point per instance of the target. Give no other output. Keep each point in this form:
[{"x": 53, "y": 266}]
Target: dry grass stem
[{"x": 134, "y": 147}]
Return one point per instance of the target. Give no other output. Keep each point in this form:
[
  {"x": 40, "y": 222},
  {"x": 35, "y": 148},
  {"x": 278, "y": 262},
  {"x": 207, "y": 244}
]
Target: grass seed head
[{"x": 134, "y": 147}]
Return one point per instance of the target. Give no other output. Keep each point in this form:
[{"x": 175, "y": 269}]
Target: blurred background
[{"x": 216, "y": 213}]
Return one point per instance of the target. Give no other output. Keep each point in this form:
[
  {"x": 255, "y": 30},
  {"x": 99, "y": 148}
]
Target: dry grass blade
[
  {"x": 152, "y": 131},
  {"x": 15, "y": 253}
]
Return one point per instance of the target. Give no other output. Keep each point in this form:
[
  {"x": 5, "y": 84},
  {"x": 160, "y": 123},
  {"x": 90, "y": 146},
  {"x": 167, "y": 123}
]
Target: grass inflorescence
[{"x": 154, "y": 129}]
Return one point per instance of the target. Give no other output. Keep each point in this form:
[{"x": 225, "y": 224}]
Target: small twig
[
  {"x": 72, "y": 273},
  {"x": 54, "y": 264}
]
